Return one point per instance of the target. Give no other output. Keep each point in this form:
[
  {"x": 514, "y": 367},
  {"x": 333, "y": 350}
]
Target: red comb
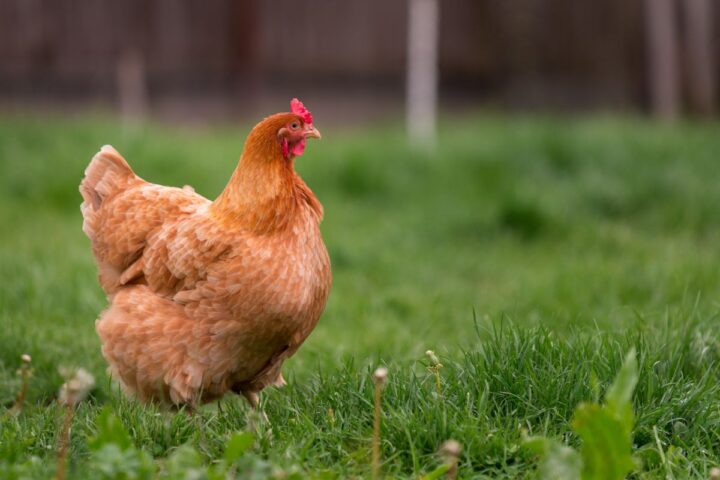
[{"x": 299, "y": 109}]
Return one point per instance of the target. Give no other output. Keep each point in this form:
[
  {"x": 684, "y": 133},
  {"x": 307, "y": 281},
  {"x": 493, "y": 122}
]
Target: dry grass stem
[
  {"x": 25, "y": 373},
  {"x": 379, "y": 377},
  {"x": 76, "y": 387},
  {"x": 64, "y": 441}
]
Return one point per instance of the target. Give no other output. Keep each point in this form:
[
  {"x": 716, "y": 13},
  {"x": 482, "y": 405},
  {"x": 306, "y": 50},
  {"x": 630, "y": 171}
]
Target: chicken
[{"x": 208, "y": 297}]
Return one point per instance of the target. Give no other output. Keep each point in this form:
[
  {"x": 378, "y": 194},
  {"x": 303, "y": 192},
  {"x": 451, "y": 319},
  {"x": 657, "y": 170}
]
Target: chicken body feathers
[{"x": 199, "y": 305}]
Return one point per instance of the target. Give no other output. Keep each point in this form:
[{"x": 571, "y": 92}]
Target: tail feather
[{"x": 106, "y": 176}]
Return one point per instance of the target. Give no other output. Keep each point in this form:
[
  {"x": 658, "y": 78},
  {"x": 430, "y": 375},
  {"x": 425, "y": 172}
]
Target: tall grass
[{"x": 574, "y": 241}]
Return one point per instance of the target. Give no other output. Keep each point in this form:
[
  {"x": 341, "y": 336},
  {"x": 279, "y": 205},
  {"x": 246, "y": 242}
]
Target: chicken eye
[{"x": 294, "y": 126}]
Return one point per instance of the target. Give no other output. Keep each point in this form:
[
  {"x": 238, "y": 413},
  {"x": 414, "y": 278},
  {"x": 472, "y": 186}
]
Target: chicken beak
[{"x": 312, "y": 132}]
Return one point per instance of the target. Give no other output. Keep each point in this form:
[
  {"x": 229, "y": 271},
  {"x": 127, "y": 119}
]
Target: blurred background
[{"x": 209, "y": 59}]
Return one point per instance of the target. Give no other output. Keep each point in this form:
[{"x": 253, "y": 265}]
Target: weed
[
  {"x": 379, "y": 378},
  {"x": 434, "y": 368},
  {"x": 25, "y": 373}
]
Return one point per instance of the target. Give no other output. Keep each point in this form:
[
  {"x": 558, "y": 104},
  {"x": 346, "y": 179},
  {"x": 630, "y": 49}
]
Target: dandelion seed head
[
  {"x": 76, "y": 388},
  {"x": 380, "y": 375},
  {"x": 451, "y": 448}
]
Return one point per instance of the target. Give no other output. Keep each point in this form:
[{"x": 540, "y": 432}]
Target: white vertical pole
[
  {"x": 131, "y": 85},
  {"x": 422, "y": 72}
]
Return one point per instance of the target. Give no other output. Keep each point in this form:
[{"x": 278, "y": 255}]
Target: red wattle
[
  {"x": 299, "y": 148},
  {"x": 284, "y": 145}
]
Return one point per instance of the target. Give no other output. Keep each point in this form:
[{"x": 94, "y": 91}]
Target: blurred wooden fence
[{"x": 523, "y": 51}]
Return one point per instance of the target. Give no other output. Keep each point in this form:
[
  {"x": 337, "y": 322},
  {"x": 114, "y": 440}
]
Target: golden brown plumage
[{"x": 207, "y": 297}]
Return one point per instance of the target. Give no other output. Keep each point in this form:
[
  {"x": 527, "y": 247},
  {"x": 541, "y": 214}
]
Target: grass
[{"x": 529, "y": 253}]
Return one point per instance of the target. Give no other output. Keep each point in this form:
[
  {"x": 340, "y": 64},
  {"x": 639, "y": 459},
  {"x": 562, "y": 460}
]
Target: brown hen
[{"x": 207, "y": 297}]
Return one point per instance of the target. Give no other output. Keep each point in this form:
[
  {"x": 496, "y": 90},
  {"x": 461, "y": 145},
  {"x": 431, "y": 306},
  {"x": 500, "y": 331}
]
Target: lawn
[{"x": 530, "y": 253}]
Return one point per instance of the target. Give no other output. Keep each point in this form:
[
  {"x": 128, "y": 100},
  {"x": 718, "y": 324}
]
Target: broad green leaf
[
  {"x": 559, "y": 462},
  {"x": 439, "y": 472},
  {"x": 185, "y": 463},
  {"x": 109, "y": 462},
  {"x": 293, "y": 474},
  {"x": 237, "y": 445},
  {"x": 605, "y": 431},
  {"x": 109, "y": 431},
  {"x": 618, "y": 398},
  {"x": 606, "y": 448}
]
